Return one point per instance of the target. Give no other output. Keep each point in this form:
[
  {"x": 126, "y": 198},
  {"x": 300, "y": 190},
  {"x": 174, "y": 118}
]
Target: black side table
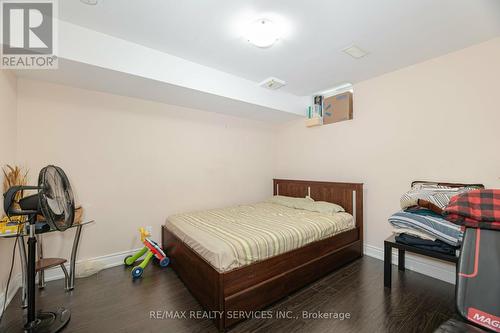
[{"x": 390, "y": 243}]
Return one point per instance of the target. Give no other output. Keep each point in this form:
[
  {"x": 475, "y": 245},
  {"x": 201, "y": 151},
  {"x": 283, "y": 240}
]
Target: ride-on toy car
[{"x": 152, "y": 250}]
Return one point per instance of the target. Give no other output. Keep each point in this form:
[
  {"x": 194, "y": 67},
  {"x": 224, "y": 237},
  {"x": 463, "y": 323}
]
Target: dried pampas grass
[{"x": 14, "y": 176}]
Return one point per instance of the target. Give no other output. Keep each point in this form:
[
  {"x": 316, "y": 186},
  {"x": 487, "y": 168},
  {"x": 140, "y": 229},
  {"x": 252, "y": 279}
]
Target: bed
[{"x": 237, "y": 280}]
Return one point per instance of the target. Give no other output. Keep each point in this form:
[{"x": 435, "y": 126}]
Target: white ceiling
[{"x": 396, "y": 33}]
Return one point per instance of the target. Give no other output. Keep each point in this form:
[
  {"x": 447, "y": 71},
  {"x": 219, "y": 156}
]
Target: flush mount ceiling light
[{"x": 262, "y": 33}]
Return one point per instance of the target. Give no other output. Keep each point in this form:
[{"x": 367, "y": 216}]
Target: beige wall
[
  {"x": 8, "y": 106},
  {"x": 437, "y": 120},
  {"x": 133, "y": 162}
]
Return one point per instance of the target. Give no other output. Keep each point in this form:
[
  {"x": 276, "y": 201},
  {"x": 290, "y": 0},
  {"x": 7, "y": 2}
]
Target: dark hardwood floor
[{"x": 111, "y": 302}]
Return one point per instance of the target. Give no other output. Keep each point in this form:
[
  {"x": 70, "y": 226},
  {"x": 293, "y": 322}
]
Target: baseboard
[
  {"x": 430, "y": 267},
  {"x": 107, "y": 261},
  {"x": 15, "y": 283}
]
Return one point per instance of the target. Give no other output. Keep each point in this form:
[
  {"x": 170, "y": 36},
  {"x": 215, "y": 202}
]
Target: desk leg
[
  {"x": 387, "y": 264},
  {"x": 41, "y": 273},
  {"x": 24, "y": 276},
  {"x": 401, "y": 260},
  {"x": 72, "y": 262}
]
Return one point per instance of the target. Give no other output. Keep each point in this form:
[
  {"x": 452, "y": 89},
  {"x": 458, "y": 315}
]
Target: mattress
[
  {"x": 426, "y": 221},
  {"x": 237, "y": 236}
]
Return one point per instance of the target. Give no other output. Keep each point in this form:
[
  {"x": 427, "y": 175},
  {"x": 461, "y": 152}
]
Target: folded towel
[{"x": 413, "y": 232}]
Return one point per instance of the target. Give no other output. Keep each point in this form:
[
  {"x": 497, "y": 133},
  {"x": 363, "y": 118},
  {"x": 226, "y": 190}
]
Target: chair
[{"x": 44, "y": 263}]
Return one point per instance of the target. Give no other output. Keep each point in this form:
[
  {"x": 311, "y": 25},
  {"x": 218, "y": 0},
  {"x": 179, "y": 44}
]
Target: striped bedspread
[{"x": 237, "y": 236}]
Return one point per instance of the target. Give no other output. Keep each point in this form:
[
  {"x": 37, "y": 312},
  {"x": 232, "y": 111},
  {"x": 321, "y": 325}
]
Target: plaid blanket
[{"x": 475, "y": 209}]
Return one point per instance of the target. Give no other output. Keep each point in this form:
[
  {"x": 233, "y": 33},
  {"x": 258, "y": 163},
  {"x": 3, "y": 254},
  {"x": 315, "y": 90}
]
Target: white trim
[
  {"x": 430, "y": 267},
  {"x": 55, "y": 273},
  {"x": 340, "y": 89},
  {"x": 15, "y": 283}
]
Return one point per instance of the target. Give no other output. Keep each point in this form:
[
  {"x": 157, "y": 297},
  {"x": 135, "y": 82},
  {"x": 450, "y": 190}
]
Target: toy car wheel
[
  {"x": 164, "y": 262},
  {"x": 137, "y": 272},
  {"x": 125, "y": 261}
]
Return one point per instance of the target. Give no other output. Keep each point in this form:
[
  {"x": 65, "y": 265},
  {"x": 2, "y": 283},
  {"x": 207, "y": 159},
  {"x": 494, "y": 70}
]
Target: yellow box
[{"x": 10, "y": 228}]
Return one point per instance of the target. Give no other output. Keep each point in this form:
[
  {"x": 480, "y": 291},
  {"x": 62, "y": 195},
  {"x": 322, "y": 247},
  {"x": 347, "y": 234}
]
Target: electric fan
[{"x": 54, "y": 200}]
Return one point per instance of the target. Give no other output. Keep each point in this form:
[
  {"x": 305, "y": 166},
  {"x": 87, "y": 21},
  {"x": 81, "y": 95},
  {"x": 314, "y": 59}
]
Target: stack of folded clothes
[{"x": 420, "y": 223}]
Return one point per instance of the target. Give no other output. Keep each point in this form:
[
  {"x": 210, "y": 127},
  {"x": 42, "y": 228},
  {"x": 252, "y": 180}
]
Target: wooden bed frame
[{"x": 258, "y": 285}]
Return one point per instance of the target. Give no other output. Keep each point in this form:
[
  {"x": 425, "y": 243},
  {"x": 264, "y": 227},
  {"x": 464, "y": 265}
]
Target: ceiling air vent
[
  {"x": 355, "y": 52},
  {"x": 272, "y": 83}
]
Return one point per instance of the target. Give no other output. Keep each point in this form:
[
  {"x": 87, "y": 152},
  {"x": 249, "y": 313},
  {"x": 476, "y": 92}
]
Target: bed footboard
[{"x": 202, "y": 280}]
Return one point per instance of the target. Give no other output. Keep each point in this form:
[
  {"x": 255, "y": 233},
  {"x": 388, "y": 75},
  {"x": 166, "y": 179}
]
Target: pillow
[
  {"x": 323, "y": 207},
  {"x": 291, "y": 202}
]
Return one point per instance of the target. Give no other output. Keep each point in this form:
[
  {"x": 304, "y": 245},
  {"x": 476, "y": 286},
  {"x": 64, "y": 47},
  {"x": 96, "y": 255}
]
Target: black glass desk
[{"x": 45, "y": 263}]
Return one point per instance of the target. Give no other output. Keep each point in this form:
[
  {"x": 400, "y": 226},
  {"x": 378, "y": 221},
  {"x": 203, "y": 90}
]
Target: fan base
[{"x": 46, "y": 322}]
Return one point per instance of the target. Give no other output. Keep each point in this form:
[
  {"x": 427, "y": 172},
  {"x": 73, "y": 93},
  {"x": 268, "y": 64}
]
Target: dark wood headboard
[{"x": 347, "y": 195}]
